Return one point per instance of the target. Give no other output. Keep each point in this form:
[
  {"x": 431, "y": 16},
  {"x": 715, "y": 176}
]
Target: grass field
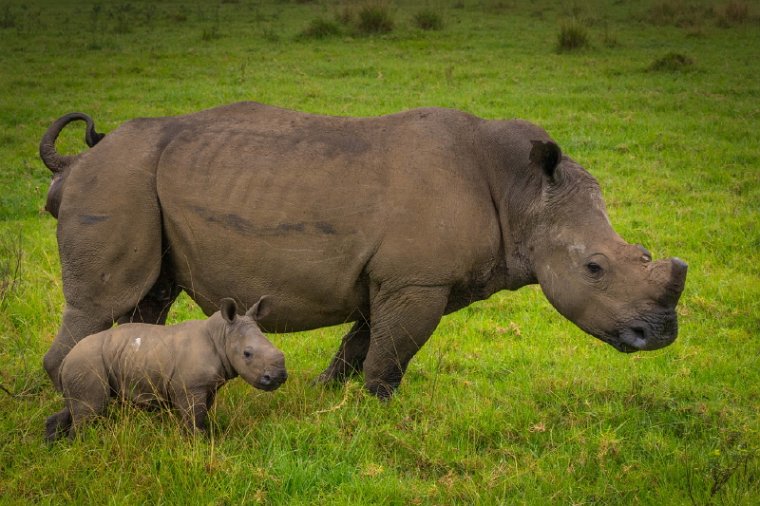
[{"x": 508, "y": 403}]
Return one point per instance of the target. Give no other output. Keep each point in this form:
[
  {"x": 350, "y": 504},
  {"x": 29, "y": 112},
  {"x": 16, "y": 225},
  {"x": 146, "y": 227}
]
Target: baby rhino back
[{"x": 147, "y": 363}]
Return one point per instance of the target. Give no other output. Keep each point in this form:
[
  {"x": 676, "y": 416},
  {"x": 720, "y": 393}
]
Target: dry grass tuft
[{"x": 572, "y": 37}]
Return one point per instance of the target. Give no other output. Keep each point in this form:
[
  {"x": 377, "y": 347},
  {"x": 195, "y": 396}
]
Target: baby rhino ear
[
  {"x": 228, "y": 308},
  {"x": 261, "y": 309}
]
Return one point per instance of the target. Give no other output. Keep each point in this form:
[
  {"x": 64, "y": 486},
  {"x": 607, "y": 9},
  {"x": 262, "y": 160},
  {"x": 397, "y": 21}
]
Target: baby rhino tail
[{"x": 58, "y": 425}]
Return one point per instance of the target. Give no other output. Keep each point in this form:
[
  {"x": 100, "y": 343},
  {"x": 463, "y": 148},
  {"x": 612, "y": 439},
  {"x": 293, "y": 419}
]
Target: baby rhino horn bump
[
  {"x": 261, "y": 309},
  {"x": 228, "y": 309}
]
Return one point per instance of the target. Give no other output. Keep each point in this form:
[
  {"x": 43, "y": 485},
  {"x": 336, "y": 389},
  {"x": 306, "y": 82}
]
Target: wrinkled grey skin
[
  {"x": 388, "y": 222},
  {"x": 181, "y": 365}
]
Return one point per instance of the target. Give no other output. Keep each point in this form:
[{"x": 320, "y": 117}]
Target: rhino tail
[{"x": 55, "y": 161}]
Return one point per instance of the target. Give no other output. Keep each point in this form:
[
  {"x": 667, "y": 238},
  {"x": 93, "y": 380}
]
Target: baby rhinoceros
[{"x": 182, "y": 365}]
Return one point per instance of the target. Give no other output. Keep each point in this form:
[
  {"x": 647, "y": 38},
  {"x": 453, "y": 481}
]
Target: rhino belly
[{"x": 311, "y": 282}]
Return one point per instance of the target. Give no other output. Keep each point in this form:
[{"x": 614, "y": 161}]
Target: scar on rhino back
[
  {"x": 241, "y": 225},
  {"x": 91, "y": 219}
]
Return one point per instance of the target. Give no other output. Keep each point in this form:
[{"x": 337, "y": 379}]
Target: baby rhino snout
[
  {"x": 273, "y": 373},
  {"x": 272, "y": 378}
]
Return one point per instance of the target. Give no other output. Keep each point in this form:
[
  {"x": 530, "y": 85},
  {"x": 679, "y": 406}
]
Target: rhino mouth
[
  {"x": 633, "y": 338},
  {"x": 645, "y": 334},
  {"x": 615, "y": 340}
]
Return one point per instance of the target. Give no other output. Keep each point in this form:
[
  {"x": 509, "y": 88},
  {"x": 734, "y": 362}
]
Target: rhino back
[{"x": 312, "y": 209}]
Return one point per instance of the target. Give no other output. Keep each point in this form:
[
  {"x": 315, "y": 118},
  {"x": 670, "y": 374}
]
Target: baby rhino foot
[{"x": 58, "y": 425}]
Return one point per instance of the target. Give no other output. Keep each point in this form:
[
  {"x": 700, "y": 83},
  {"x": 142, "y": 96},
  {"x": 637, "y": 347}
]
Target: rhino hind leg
[
  {"x": 58, "y": 425},
  {"x": 109, "y": 240},
  {"x": 87, "y": 398},
  {"x": 349, "y": 359},
  {"x": 402, "y": 321}
]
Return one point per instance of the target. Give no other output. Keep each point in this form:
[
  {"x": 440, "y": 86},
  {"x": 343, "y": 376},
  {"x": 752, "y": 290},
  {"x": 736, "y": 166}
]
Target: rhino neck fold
[
  {"x": 514, "y": 189},
  {"x": 517, "y": 251},
  {"x": 218, "y": 338}
]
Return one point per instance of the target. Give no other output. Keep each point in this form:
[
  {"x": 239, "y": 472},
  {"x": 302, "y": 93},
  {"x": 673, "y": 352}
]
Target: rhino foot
[{"x": 349, "y": 359}]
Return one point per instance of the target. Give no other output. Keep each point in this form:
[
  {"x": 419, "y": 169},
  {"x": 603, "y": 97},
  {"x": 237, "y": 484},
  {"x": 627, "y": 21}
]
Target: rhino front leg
[
  {"x": 402, "y": 321},
  {"x": 349, "y": 358}
]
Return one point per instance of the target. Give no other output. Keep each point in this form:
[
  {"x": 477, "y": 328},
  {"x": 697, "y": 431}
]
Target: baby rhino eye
[{"x": 247, "y": 354}]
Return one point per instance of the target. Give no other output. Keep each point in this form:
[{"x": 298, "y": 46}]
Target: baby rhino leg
[
  {"x": 86, "y": 389},
  {"x": 58, "y": 425},
  {"x": 193, "y": 404}
]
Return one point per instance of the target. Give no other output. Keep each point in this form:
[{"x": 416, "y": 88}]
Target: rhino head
[
  {"x": 609, "y": 288},
  {"x": 249, "y": 352}
]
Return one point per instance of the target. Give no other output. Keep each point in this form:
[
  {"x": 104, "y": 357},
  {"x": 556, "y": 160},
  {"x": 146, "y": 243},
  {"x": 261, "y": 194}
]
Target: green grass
[
  {"x": 428, "y": 19},
  {"x": 320, "y": 28},
  {"x": 508, "y": 403}
]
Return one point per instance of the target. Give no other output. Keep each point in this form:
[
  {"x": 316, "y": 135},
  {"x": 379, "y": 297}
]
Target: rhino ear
[
  {"x": 261, "y": 309},
  {"x": 228, "y": 309},
  {"x": 546, "y": 154}
]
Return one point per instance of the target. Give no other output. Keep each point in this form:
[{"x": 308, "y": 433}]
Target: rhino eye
[
  {"x": 247, "y": 354},
  {"x": 594, "y": 269}
]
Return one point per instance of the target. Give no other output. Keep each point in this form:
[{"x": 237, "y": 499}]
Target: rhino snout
[
  {"x": 646, "y": 335},
  {"x": 658, "y": 328}
]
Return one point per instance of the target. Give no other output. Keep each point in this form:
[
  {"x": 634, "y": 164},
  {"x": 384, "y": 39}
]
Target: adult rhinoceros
[{"x": 388, "y": 222}]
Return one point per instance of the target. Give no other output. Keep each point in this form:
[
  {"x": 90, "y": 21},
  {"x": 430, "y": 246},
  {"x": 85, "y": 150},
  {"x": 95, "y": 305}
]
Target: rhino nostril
[
  {"x": 634, "y": 337},
  {"x": 265, "y": 379}
]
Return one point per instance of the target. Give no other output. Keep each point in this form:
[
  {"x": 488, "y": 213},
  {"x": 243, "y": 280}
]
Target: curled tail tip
[
  {"x": 92, "y": 137},
  {"x": 50, "y": 157}
]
